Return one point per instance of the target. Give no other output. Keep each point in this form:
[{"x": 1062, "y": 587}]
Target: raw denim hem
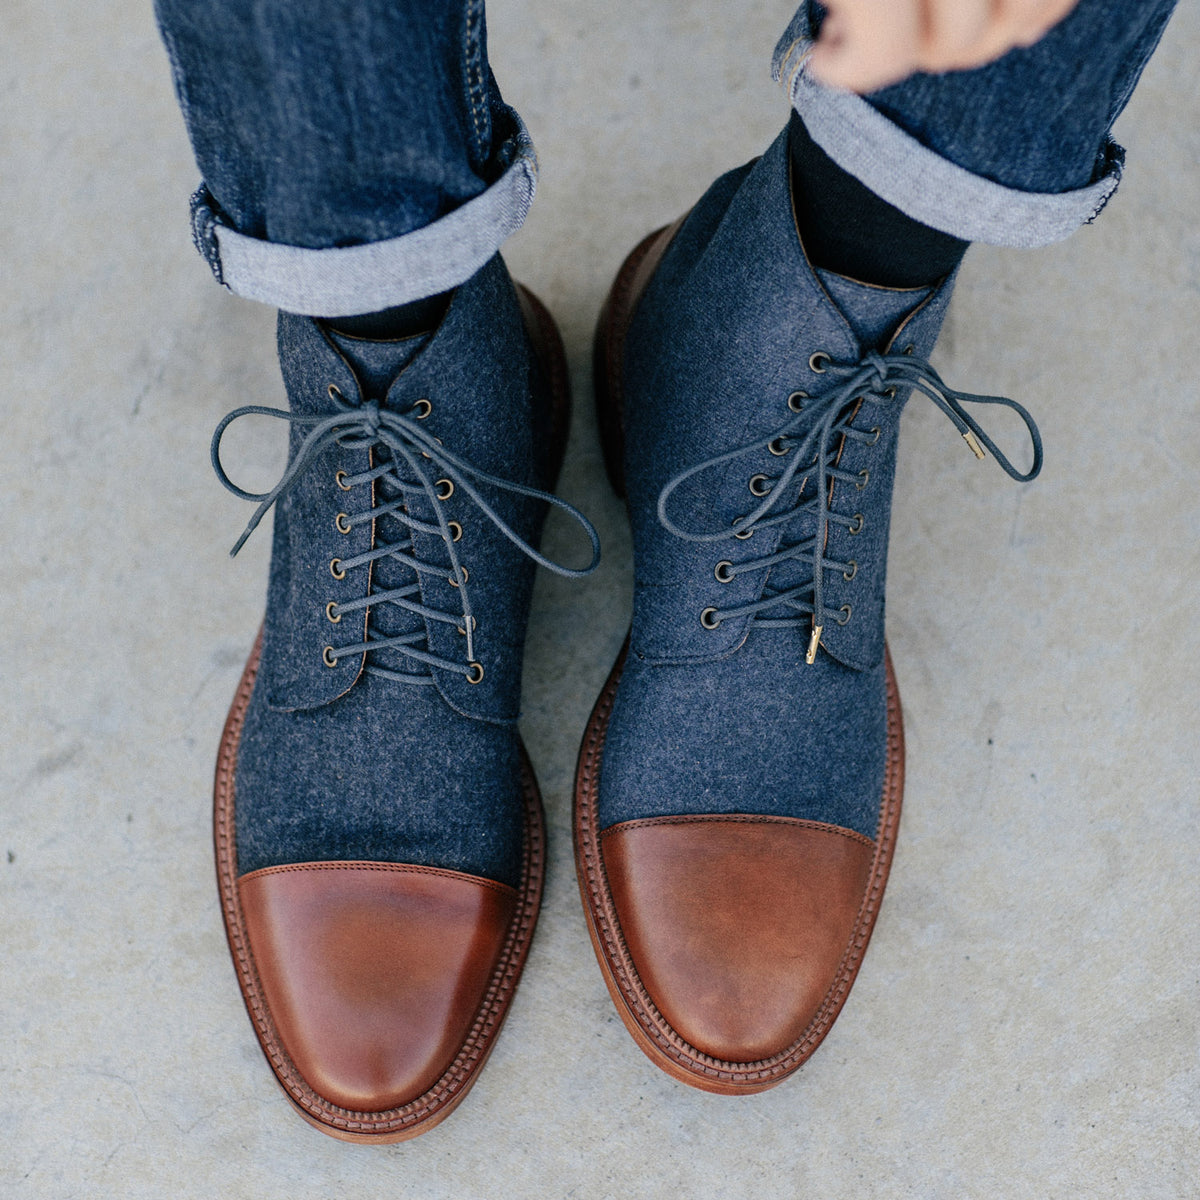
[
  {"x": 347, "y": 280},
  {"x": 920, "y": 182}
]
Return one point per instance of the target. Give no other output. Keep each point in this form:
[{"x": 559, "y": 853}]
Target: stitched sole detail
[
  {"x": 427, "y": 1110},
  {"x": 608, "y": 345},
  {"x": 400, "y": 1124},
  {"x": 653, "y": 1034},
  {"x": 651, "y": 1031}
]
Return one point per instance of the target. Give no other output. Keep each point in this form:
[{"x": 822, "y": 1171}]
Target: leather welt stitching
[
  {"x": 738, "y": 818},
  {"x": 396, "y": 868},
  {"x": 461, "y": 1073}
]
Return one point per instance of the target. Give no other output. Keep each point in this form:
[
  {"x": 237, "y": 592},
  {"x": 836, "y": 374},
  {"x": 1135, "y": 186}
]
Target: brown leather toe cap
[
  {"x": 373, "y": 972},
  {"x": 737, "y": 925}
]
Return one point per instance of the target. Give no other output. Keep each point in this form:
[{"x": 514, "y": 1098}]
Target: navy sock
[
  {"x": 420, "y": 316},
  {"x": 846, "y": 228},
  {"x": 379, "y": 345}
]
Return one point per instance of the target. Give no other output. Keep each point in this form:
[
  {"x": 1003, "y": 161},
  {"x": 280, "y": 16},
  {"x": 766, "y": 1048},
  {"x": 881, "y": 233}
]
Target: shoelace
[
  {"x": 815, "y": 433},
  {"x": 364, "y": 427}
]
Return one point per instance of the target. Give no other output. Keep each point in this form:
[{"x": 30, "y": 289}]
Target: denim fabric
[
  {"x": 733, "y": 719},
  {"x": 343, "y": 763},
  {"x": 348, "y": 280},
  {"x": 357, "y": 155},
  {"x": 333, "y": 122},
  {"x": 1016, "y": 153},
  {"x": 325, "y": 131},
  {"x": 1038, "y": 118}
]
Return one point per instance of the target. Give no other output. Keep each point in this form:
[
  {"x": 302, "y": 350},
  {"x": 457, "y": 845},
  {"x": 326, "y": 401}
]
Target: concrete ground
[{"x": 1026, "y": 1022}]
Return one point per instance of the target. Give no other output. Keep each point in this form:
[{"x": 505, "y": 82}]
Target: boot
[
  {"x": 740, "y": 781},
  {"x": 379, "y": 834}
]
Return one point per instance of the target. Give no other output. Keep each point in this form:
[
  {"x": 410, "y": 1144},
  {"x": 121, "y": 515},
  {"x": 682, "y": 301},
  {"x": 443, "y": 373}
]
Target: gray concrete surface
[{"x": 1026, "y": 1023}]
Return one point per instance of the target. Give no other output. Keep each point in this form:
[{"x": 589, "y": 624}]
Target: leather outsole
[
  {"x": 660, "y": 1027},
  {"x": 759, "y": 1054},
  {"x": 446, "y": 1091}
]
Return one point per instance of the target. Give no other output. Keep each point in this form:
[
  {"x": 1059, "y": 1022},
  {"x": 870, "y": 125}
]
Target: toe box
[
  {"x": 737, "y": 925},
  {"x": 373, "y": 973}
]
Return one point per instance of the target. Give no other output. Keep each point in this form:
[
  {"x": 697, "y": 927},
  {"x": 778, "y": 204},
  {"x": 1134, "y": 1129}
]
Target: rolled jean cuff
[
  {"x": 920, "y": 182},
  {"x": 346, "y": 280}
]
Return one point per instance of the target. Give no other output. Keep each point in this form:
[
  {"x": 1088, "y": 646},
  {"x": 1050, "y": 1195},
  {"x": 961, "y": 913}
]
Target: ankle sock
[
  {"x": 419, "y": 316},
  {"x": 377, "y": 361},
  {"x": 846, "y": 228},
  {"x": 872, "y": 311}
]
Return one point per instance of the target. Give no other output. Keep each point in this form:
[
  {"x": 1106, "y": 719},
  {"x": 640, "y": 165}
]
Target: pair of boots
[{"x": 380, "y": 838}]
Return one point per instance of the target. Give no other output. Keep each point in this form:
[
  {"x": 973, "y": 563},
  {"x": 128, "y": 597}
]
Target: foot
[
  {"x": 740, "y": 781},
  {"x": 379, "y": 833}
]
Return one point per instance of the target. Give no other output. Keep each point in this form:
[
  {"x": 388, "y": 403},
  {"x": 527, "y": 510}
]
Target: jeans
[
  {"x": 327, "y": 130},
  {"x": 357, "y": 154}
]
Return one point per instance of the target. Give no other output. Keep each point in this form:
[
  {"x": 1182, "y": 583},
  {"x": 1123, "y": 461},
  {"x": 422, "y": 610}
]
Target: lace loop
[
  {"x": 812, "y": 433},
  {"x": 363, "y": 427}
]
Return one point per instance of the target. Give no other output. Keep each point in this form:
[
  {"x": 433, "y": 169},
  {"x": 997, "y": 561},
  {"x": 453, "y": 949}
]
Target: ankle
[
  {"x": 389, "y": 324},
  {"x": 847, "y": 229}
]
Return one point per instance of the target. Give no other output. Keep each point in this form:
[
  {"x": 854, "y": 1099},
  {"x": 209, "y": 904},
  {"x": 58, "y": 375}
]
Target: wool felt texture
[
  {"x": 732, "y": 719},
  {"x": 340, "y": 762},
  {"x": 849, "y": 230},
  {"x": 400, "y": 321}
]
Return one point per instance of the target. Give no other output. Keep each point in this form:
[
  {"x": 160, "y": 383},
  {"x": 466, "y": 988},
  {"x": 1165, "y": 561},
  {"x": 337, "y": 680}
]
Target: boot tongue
[
  {"x": 879, "y": 316},
  {"x": 377, "y": 363},
  {"x": 874, "y": 313}
]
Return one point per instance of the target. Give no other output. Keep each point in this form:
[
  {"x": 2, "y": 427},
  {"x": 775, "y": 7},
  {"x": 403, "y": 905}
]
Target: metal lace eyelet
[
  {"x": 743, "y": 534},
  {"x": 777, "y": 448},
  {"x": 331, "y": 613},
  {"x": 857, "y": 527},
  {"x": 327, "y": 657},
  {"x": 455, "y": 530},
  {"x": 475, "y": 674},
  {"x": 853, "y": 570},
  {"x": 709, "y": 618},
  {"x": 472, "y": 622},
  {"x": 759, "y": 485},
  {"x": 465, "y": 577},
  {"x": 817, "y": 362},
  {"x": 334, "y": 392},
  {"x": 796, "y": 401},
  {"x": 342, "y": 522},
  {"x": 422, "y": 409},
  {"x": 890, "y": 393},
  {"x": 875, "y": 431},
  {"x": 340, "y": 480},
  {"x": 910, "y": 349},
  {"x": 724, "y": 571},
  {"x": 335, "y": 568},
  {"x": 444, "y": 489},
  {"x": 863, "y": 476},
  {"x": 845, "y": 610}
]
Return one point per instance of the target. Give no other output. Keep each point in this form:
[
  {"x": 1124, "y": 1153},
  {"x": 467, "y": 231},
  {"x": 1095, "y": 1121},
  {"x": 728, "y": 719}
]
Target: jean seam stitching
[{"x": 475, "y": 90}]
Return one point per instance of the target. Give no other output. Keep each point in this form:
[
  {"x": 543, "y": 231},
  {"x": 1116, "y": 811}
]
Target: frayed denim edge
[
  {"x": 921, "y": 183},
  {"x": 347, "y": 280}
]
